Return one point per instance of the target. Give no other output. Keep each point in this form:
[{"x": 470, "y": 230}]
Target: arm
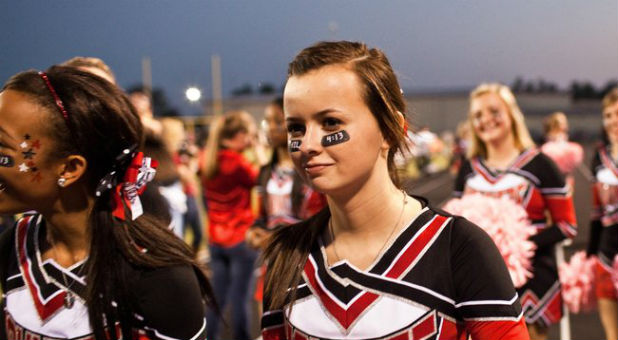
[
  {"x": 460, "y": 181},
  {"x": 485, "y": 296},
  {"x": 557, "y": 195},
  {"x": 595, "y": 218},
  {"x": 171, "y": 304}
]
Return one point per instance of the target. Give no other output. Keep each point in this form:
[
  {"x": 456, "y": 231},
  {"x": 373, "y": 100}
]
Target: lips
[{"x": 316, "y": 168}]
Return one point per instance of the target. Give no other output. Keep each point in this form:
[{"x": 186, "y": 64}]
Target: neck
[
  {"x": 283, "y": 156},
  {"x": 500, "y": 153},
  {"x": 369, "y": 209},
  {"x": 69, "y": 233}
]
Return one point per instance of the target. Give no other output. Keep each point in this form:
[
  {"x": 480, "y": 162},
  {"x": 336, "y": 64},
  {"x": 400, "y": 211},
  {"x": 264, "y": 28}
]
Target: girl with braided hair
[{"x": 92, "y": 262}]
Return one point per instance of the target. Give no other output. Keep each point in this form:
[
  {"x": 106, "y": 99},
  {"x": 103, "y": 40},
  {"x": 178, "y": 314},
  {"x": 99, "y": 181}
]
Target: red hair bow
[{"x": 141, "y": 171}]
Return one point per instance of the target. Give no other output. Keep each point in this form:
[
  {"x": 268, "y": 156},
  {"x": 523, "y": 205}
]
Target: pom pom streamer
[
  {"x": 507, "y": 224},
  {"x": 567, "y": 155},
  {"x": 577, "y": 279}
]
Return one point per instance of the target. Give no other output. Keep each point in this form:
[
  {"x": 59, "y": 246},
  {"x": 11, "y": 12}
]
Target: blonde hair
[
  {"x": 92, "y": 62},
  {"x": 610, "y": 98},
  {"x": 520, "y": 131},
  {"x": 223, "y": 127},
  {"x": 552, "y": 123}
]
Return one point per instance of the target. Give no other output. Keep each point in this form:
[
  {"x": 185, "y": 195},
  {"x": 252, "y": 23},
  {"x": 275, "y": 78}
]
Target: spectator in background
[
  {"x": 227, "y": 179},
  {"x": 567, "y": 155},
  {"x": 184, "y": 154},
  {"x": 284, "y": 198},
  {"x": 167, "y": 178},
  {"x": 140, "y": 98},
  {"x": 603, "y": 240},
  {"x": 92, "y": 65}
]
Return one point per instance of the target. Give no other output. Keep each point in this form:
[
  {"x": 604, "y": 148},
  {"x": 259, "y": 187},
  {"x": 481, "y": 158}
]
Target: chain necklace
[
  {"x": 69, "y": 297},
  {"x": 332, "y": 233}
]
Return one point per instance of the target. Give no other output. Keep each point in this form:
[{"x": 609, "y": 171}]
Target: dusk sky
[{"x": 431, "y": 44}]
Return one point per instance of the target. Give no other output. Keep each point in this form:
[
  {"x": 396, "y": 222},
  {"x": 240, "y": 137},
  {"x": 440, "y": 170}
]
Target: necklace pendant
[{"x": 69, "y": 300}]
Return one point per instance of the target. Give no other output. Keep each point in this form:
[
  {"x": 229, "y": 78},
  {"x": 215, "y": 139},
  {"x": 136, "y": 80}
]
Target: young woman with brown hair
[
  {"x": 376, "y": 263},
  {"x": 87, "y": 264}
]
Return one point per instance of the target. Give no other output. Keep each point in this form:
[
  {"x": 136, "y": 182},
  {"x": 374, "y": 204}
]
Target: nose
[{"x": 311, "y": 142}]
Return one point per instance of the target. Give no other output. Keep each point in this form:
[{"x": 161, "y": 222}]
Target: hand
[{"x": 257, "y": 238}]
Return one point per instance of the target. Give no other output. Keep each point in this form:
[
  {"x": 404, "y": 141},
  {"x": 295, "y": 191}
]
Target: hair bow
[{"x": 141, "y": 171}]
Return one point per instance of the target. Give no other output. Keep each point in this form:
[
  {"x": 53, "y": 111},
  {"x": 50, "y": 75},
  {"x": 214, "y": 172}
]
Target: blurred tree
[
  {"x": 266, "y": 88},
  {"x": 243, "y": 90}
]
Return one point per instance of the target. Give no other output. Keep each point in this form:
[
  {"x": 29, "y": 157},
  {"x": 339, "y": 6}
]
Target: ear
[
  {"x": 73, "y": 168},
  {"x": 401, "y": 120}
]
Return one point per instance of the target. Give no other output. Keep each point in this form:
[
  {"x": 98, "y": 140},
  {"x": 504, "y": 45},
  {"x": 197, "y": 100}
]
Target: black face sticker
[
  {"x": 335, "y": 138},
  {"x": 6, "y": 161},
  {"x": 28, "y": 154},
  {"x": 294, "y": 145}
]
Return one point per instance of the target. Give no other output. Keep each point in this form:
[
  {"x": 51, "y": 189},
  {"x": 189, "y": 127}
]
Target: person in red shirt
[
  {"x": 227, "y": 179},
  {"x": 376, "y": 263}
]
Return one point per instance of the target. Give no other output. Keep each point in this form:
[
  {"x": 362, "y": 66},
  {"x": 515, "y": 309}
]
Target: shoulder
[
  {"x": 300, "y": 235},
  {"x": 169, "y": 300},
  {"x": 545, "y": 170}
]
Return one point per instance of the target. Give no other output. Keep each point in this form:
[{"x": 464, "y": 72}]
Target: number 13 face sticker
[
  {"x": 328, "y": 140},
  {"x": 335, "y": 138}
]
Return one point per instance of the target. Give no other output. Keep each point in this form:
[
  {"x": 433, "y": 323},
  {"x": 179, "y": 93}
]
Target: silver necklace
[
  {"x": 69, "y": 297},
  {"x": 332, "y": 233}
]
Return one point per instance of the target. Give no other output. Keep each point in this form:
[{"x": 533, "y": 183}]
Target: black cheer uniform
[
  {"x": 168, "y": 300},
  {"x": 604, "y": 223},
  {"x": 441, "y": 278},
  {"x": 534, "y": 181}
]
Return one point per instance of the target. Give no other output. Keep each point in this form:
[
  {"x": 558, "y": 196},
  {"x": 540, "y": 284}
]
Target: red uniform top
[{"x": 228, "y": 198}]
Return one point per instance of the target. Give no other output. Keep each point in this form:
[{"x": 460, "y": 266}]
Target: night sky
[{"x": 431, "y": 44}]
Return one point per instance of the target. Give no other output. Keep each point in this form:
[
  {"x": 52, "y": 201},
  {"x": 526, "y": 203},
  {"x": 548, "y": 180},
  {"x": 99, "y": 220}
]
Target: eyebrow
[{"x": 317, "y": 114}]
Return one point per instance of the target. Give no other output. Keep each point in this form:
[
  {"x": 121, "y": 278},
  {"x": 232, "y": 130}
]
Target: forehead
[
  {"x": 19, "y": 114},
  {"x": 611, "y": 107},
  {"x": 486, "y": 99},
  {"x": 329, "y": 87}
]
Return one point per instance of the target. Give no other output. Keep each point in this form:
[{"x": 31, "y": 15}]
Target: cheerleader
[
  {"x": 502, "y": 161},
  {"x": 567, "y": 155},
  {"x": 376, "y": 263},
  {"x": 604, "y": 225},
  {"x": 88, "y": 264},
  {"x": 283, "y": 196}
]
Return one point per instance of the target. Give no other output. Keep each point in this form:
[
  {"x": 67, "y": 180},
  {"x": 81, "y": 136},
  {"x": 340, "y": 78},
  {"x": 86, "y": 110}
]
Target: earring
[{"x": 62, "y": 182}]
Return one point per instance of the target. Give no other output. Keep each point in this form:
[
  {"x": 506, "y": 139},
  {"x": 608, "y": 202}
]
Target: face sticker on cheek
[
  {"x": 6, "y": 161},
  {"x": 294, "y": 145},
  {"x": 335, "y": 138}
]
